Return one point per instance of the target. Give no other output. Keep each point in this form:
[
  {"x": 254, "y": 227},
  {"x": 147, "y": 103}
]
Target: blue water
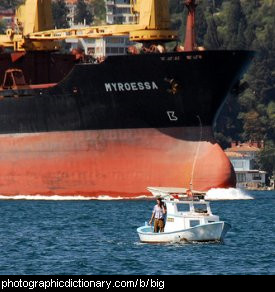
[{"x": 99, "y": 237}]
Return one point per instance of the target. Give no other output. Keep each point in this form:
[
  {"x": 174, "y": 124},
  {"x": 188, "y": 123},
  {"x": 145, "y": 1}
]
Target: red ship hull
[{"x": 116, "y": 163}]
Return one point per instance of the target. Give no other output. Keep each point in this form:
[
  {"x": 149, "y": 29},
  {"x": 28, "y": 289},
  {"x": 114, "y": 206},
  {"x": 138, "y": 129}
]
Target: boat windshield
[
  {"x": 201, "y": 208},
  {"x": 183, "y": 207}
]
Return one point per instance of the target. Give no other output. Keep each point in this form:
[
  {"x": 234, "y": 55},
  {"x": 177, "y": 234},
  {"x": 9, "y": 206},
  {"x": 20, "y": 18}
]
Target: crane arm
[
  {"x": 35, "y": 21},
  {"x": 85, "y": 32}
]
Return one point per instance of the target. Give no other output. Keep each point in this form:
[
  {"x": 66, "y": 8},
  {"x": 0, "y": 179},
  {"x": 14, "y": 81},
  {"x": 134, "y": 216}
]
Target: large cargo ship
[{"x": 113, "y": 128}]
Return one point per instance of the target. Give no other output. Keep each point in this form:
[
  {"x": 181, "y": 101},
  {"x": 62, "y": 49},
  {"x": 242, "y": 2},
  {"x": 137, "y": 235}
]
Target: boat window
[
  {"x": 183, "y": 207},
  {"x": 194, "y": 223},
  {"x": 200, "y": 208}
]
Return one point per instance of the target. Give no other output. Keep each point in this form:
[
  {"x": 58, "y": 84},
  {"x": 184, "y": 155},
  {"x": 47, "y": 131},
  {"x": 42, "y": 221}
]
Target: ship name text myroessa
[{"x": 133, "y": 86}]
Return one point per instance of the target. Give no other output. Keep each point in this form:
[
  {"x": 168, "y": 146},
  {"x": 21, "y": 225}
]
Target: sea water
[{"x": 99, "y": 237}]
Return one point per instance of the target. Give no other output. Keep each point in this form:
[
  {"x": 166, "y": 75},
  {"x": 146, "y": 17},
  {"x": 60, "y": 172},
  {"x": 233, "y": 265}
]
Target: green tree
[
  {"x": 271, "y": 119},
  {"x": 201, "y": 23},
  {"x": 254, "y": 126},
  {"x": 98, "y": 9},
  {"x": 83, "y": 13},
  {"x": 266, "y": 159},
  {"x": 60, "y": 12},
  {"x": 241, "y": 40},
  {"x": 211, "y": 38},
  {"x": 235, "y": 26},
  {"x": 261, "y": 78},
  {"x": 176, "y": 6}
]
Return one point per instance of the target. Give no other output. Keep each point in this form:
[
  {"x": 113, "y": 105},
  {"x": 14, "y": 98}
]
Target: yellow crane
[{"x": 34, "y": 26}]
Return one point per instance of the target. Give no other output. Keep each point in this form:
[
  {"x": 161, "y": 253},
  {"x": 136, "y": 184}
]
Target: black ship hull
[{"x": 143, "y": 91}]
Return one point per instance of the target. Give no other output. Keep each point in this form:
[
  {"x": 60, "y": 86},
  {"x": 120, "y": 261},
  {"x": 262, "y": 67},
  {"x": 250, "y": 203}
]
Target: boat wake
[
  {"x": 44, "y": 198},
  {"x": 67, "y": 198},
  {"x": 212, "y": 195},
  {"x": 227, "y": 194}
]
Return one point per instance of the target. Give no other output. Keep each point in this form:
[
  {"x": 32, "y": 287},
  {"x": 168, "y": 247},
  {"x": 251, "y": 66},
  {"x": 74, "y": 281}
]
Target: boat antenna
[{"x": 196, "y": 155}]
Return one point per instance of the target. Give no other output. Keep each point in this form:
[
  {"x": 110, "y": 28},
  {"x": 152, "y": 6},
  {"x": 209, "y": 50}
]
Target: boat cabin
[
  {"x": 184, "y": 210},
  {"x": 184, "y": 214}
]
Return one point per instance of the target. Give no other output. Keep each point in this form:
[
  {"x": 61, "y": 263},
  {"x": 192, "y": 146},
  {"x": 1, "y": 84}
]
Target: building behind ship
[
  {"x": 117, "y": 12},
  {"x": 243, "y": 157}
]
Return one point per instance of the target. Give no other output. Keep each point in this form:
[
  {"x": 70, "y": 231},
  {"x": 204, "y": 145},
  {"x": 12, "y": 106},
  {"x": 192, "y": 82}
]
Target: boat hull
[
  {"x": 116, "y": 127},
  {"x": 203, "y": 233},
  {"x": 117, "y": 163}
]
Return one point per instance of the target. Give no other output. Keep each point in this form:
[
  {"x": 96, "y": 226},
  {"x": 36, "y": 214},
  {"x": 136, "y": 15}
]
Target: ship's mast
[{"x": 190, "y": 35}]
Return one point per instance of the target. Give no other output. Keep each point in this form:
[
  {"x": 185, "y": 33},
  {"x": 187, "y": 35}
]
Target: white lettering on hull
[
  {"x": 172, "y": 116},
  {"x": 133, "y": 86}
]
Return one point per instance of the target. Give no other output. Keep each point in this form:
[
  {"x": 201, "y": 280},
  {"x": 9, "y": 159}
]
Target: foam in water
[
  {"x": 227, "y": 194},
  {"x": 65, "y": 198},
  {"x": 44, "y": 198},
  {"x": 212, "y": 195}
]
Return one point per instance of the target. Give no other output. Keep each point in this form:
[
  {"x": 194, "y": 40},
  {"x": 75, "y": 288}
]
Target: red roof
[
  {"x": 244, "y": 147},
  {"x": 234, "y": 154},
  {"x": 71, "y": 1}
]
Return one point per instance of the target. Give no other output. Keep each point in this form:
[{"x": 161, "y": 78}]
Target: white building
[
  {"x": 7, "y": 17},
  {"x": 243, "y": 158},
  {"x": 117, "y": 12}
]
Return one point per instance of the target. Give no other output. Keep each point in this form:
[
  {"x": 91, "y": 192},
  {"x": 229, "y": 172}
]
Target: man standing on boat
[{"x": 158, "y": 214}]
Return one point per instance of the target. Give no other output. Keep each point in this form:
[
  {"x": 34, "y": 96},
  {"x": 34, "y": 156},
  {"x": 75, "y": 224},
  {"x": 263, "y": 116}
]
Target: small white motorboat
[{"x": 188, "y": 219}]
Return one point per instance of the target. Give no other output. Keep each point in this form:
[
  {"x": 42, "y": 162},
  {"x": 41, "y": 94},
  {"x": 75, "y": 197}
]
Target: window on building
[
  {"x": 256, "y": 176},
  {"x": 238, "y": 164},
  {"x": 115, "y": 40},
  {"x": 91, "y": 51},
  {"x": 241, "y": 177},
  {"x": 131, "y": 19},
  {"x": 119, "y": 19},
  {"x": 98, "y": 50}
]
